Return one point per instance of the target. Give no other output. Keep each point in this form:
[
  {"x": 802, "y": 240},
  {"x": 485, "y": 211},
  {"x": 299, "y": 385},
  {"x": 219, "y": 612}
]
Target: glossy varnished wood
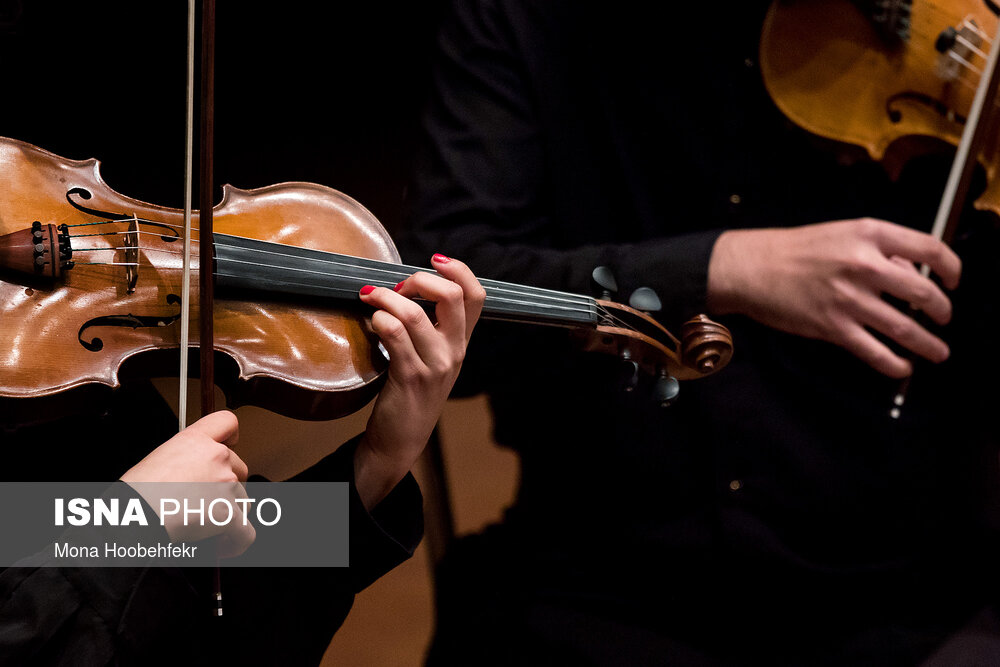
[
  {"x": 829, "y": 71},
  {"x": 302, "y": 359}
]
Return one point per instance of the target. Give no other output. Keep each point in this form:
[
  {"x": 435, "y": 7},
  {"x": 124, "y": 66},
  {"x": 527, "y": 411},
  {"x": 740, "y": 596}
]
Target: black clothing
[
  {"x": 775, "y": 514},
  {"x": 151, "y": 616}
]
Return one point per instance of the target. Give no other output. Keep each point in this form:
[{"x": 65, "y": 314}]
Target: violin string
[
  {"x": 603, "y": 313},
  {"x": 974, "y": 27},
  {"x": 80, "y": 236},
  {"x": 970, "y": 46},
  {"x": 146, "y": 221},
  {"x": 383, "y": 282},
  {"x": 138, "y": 247},
  {"x": 352, "y": 292},
  {"x": 512, "y": 293},
  {"x": 610, "y": 317},
  {"x": 601, "y": 310},
  {"x": 613, "y": 319},
  {"x": 392, "y": 281},
  {"x": 396, "y": 272},
  {"x": 965, "y": 63}
]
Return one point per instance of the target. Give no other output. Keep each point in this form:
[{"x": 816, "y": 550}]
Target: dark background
[{"x": 326, "y": 92}]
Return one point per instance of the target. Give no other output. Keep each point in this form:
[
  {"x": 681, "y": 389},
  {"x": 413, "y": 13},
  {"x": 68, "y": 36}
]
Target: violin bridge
[
  {"x": 131, "y": 244},
  {"x": 960, "y": 49}
]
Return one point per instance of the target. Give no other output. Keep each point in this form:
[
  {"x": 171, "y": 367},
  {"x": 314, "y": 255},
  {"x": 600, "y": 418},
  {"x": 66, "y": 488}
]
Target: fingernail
[
  {"x": 440, "y": 258},
  {"x": 367, "y": 289},
  {"x": 399, "y": 285}
]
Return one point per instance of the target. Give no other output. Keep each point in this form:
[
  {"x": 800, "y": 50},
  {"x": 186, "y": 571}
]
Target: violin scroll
[
  {"x": 705, "y": 345},
  {"x": 632, "y": 334}
]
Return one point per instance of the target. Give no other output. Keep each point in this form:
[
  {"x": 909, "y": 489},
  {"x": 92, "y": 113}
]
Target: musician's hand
[
  {"x": 424, "y": 360},
  {"x": 826, "y": 281},
  {"x": 200, "y": 463}
]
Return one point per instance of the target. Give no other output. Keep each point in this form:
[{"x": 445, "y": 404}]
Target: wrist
[
  {"x": 375, "y": 474},
  {"x": 724, "y": 281}
]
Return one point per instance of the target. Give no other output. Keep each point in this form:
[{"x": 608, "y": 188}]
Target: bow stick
[
  {"x": 206, "y": 341},
  {"x": 960, "y": 178}
]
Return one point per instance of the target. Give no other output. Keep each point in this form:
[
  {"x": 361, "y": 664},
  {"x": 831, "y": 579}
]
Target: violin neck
[{"x": 249, "y": 264}]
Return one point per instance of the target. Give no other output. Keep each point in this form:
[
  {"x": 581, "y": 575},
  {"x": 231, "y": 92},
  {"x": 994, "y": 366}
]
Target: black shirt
[
  {"x": 775, "y": 509},
  {"x": 150, "y": 616}
]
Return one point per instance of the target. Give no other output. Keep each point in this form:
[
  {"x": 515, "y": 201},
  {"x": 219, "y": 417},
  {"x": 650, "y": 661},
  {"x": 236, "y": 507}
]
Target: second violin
[{"x": 897, "y": 80}]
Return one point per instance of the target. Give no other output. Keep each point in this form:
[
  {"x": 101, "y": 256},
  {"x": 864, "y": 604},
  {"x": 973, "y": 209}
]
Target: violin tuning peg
[
  {"x": 603, "y": 282},
  {"x": 629, "y": 372},
  {"x": 665, "y": 389},
  {"x": 631, "y": 375},
  {"x": 645, "y": 299}
]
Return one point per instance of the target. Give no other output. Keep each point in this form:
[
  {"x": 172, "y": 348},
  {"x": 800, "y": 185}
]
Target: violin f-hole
[
  {"x": 169, "y": 236},
  {"x": 127, "y": 320}
]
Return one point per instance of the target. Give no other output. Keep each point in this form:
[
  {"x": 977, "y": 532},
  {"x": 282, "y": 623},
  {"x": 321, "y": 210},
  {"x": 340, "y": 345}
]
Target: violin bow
[
  {"x": 206, "y": 341},
  {"x": 956, "y": 188},
  {"x": 205, "y": 212}
]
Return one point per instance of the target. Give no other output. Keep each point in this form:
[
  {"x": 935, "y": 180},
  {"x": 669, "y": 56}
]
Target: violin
[
  {"x": 91, "y": 292},
  {"x": 898, "y": 80}
]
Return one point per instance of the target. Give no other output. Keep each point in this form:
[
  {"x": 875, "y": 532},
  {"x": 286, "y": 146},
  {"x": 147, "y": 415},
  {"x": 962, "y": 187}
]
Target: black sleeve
[
  {"x": 383, "y": 538},
  {"x": 93, "y": 616},
  {"x": 48, "y": 611},
  {"x": 304, "y": 607},
  {"x": 479, "y": 184}
]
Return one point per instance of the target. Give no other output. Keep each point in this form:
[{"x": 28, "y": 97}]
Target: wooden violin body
[
  {"x": 91, "y": 291},
  {"x": 830, "y": 70},
  {"x": 87, "y": 327}
]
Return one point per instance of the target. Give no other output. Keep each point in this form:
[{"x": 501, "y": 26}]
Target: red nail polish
[
  {"x": 440, "y": 258},
  {"x": 367, "y": 289},
  {"x": 399, "y": 285}
]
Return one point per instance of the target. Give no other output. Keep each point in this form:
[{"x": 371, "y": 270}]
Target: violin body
[
  {"x": 831, "y": 71},
  {"x": 86, "y": 330}
]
